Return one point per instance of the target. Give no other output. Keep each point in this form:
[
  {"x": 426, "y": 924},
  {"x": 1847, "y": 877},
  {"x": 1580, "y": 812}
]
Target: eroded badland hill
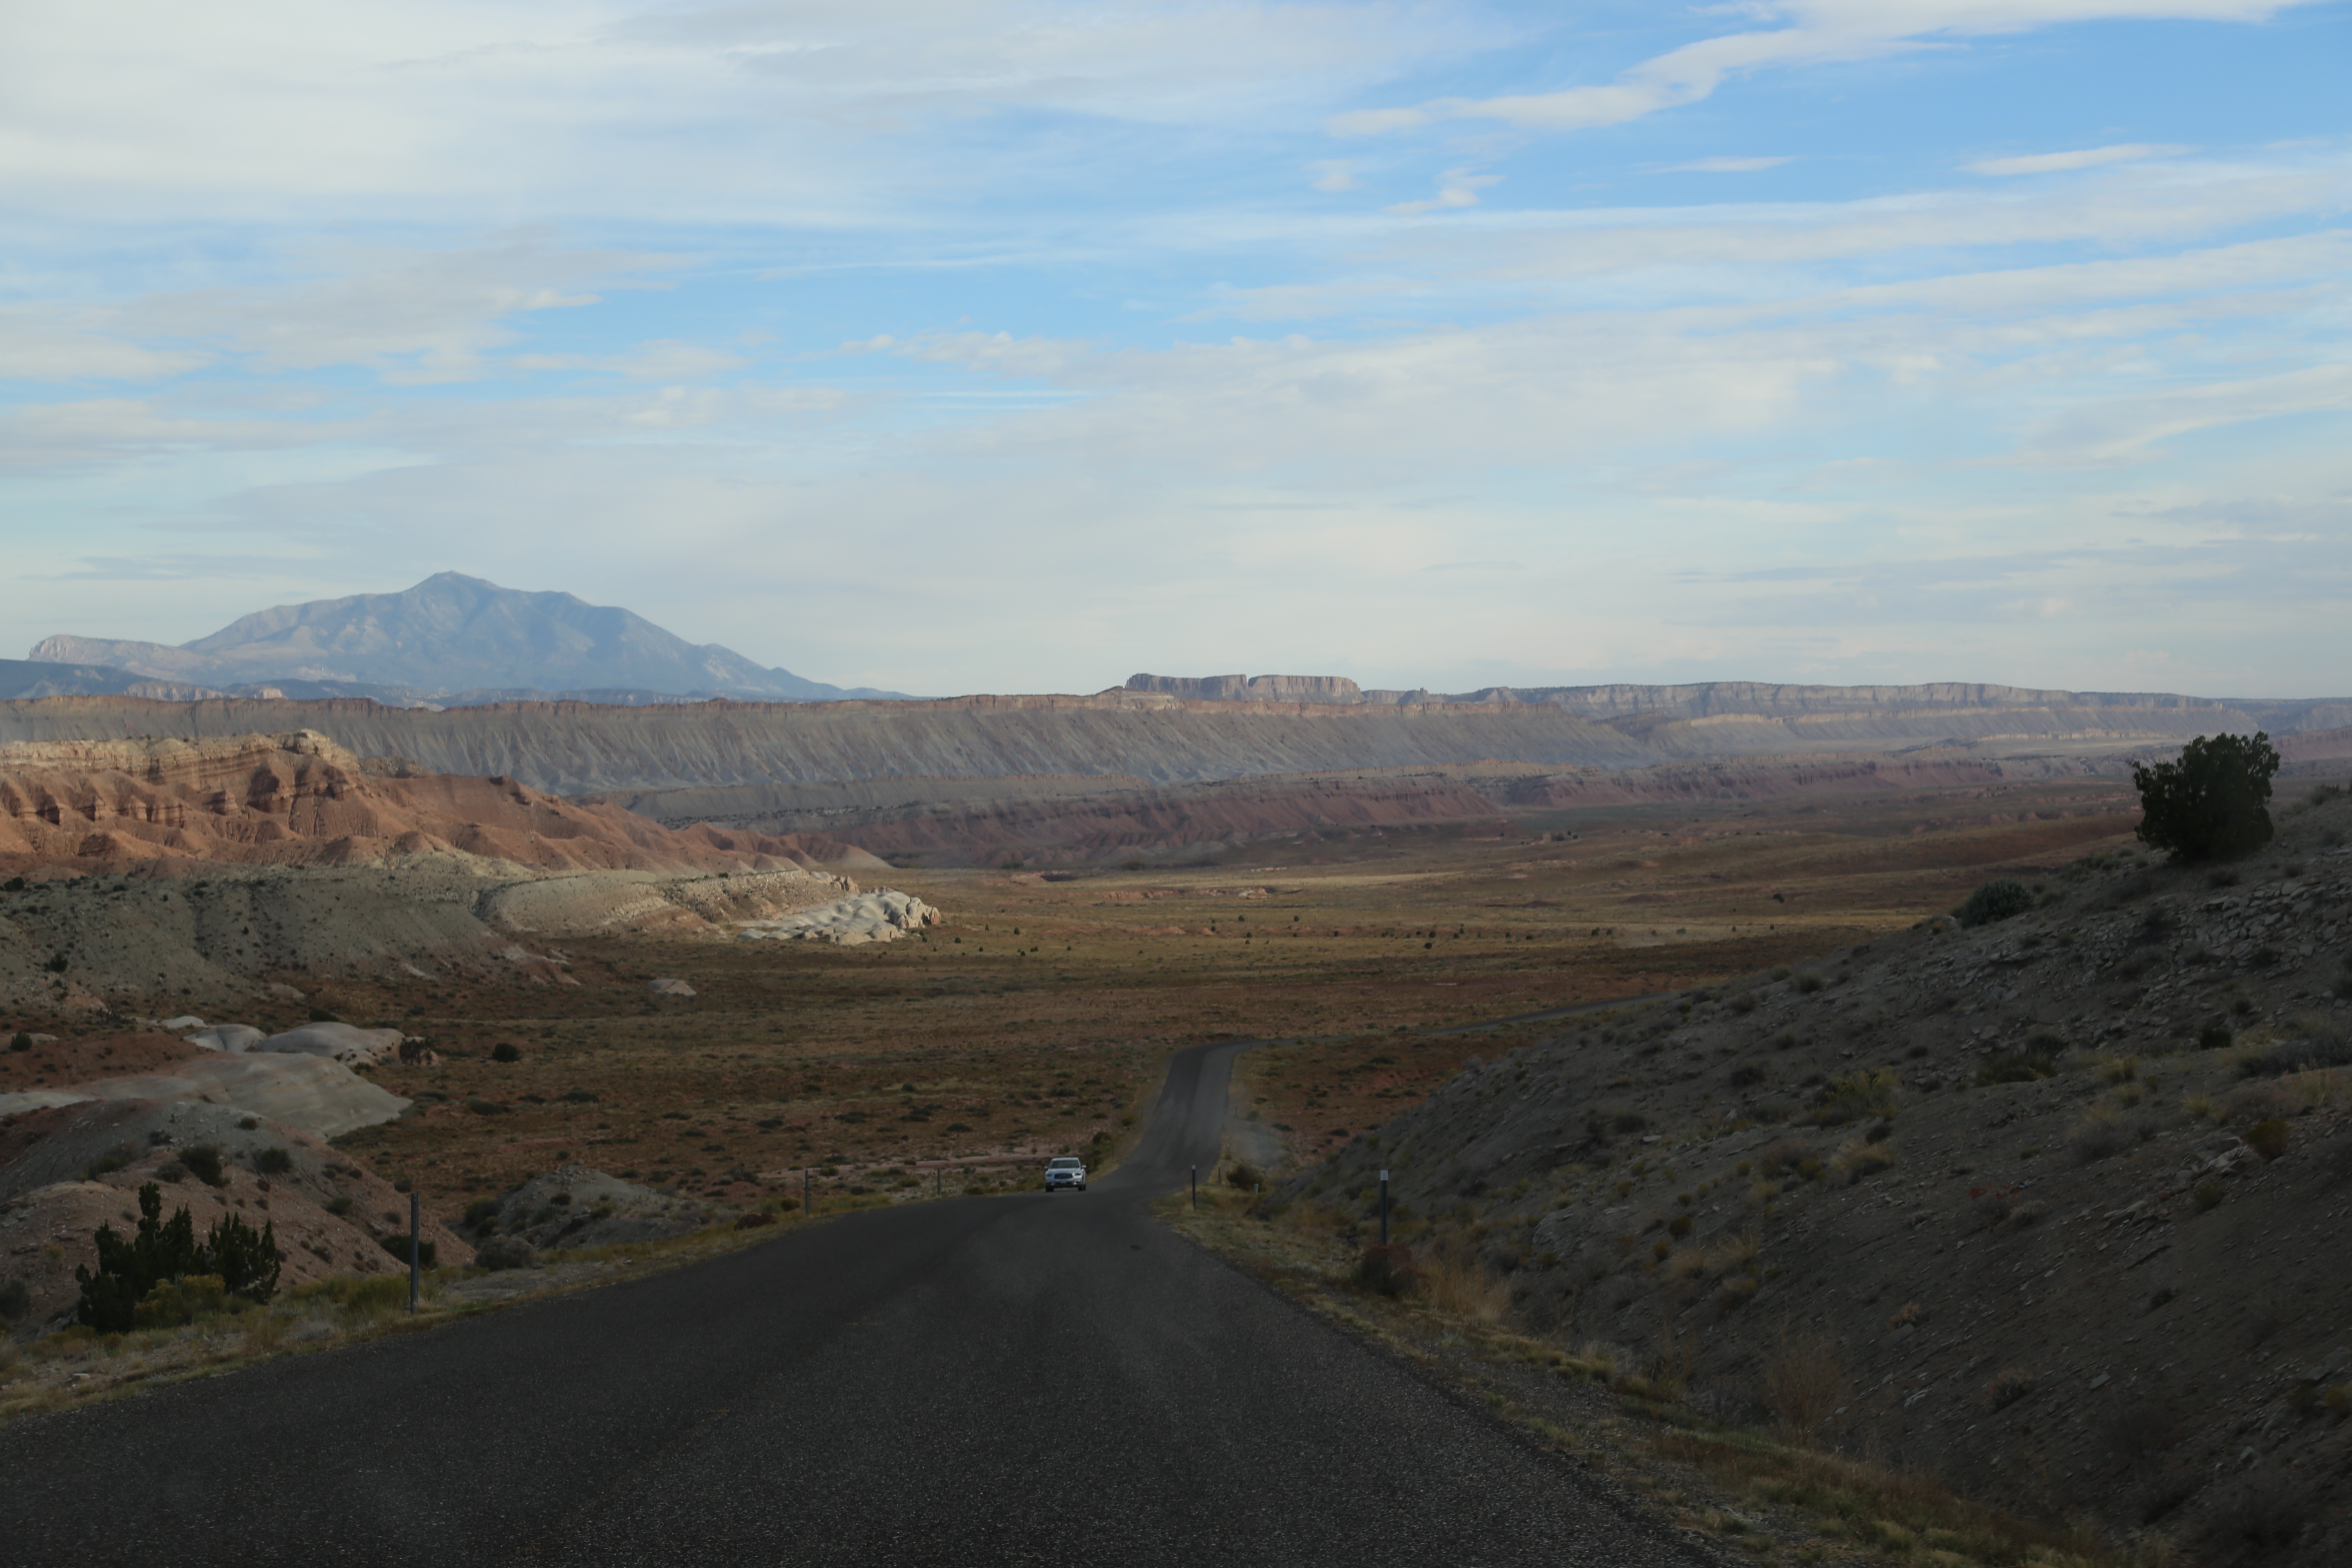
[{"x": 2051, "y": 1208}]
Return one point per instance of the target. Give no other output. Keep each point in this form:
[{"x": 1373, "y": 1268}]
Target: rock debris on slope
[{"x": 2062, "y": 1252}]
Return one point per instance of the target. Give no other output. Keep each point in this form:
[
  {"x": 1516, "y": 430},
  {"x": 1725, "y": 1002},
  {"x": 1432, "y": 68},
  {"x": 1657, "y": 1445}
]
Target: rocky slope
[{"x": 2062, "y": 1195}]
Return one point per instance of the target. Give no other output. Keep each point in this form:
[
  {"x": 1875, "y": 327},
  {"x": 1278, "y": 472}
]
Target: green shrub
[
  {"x": 2018, "y": 1067},
  {"x": 20, "y": 1041},
  {"x": 1999, "y": 900},
  {"x": 1387, "y": 1270},
  {"x": 2268, "y": 1137},
  {"x": 15, "y": 1300},
  {"x": 2209, "y": 805},
  {"x": 273, "y": 1162},
  {"x": 1242, "y": 1173},
  {"x": 2215, "y": 1038},
  {"x": 177, "y": 1301},
  {"x": 427, "y": 1255},
  {"x": 323, "y": 1015},
  {"x": 340, "y": 1204},
  {"x": 204, "y": 1162},
  {"x": 114, "y": 1158},
  {"x": 504, "y": 1051},
  {"x": 1855, "y": 1095}
]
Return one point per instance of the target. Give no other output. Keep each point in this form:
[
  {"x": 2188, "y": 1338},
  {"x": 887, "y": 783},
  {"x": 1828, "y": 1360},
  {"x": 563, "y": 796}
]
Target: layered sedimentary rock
[
  {"x": 579, "y": 748},
  {"x": 299, "y": 798}
]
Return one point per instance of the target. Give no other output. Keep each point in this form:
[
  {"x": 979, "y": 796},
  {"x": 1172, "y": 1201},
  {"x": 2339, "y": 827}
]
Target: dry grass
[
  {"x": 1858, "y": 1160},
  {"x": 1742, "y": 1488},
  {"x": 1803, "y": 1382},
  {"x": 1455, "y": 1284},
  {"x": 1903, "y": 1513}
]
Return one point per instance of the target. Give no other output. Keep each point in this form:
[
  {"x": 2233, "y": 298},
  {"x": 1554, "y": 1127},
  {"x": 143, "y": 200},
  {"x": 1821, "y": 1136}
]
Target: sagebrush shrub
[
  {"x": 2018, "y": 1067},
  {"x": 1999, "y": 900},
  {"x": 1386, "y": 1270},
  {"x": 2008, "y": 1387},
  {"x": 2268, "y": 1137},
  {"x": 2263, "y": 1515},
  {"x": 1853, "y": 1095},
  {"x": 204, "y": 1162}
]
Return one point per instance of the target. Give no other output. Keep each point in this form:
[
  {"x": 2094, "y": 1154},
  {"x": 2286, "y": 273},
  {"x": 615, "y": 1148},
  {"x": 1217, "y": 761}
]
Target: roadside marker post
[
  {"x": 804, "y": 1192},
  {"x": 413, "y": 1211},
  {"x": 1384, "y": 1209},
  {"x": 1196, "y": 1186}
]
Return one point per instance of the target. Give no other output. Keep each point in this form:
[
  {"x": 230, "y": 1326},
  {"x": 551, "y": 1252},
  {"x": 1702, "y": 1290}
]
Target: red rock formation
[{"x": 302, "y": 799}]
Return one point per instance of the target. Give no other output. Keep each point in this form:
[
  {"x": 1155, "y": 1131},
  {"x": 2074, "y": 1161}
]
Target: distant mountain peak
[{"x": 452, "y": 633}]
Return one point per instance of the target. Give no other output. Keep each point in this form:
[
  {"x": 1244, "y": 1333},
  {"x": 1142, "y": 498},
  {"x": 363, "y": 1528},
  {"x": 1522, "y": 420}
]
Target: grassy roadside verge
[
  {"x": 75, "y": 1367},
  {"x": 1749, "y": 1494}
]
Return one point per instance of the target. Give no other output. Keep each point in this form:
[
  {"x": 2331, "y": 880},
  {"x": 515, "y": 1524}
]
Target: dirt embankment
[{"x": 2062, "y": 1196}]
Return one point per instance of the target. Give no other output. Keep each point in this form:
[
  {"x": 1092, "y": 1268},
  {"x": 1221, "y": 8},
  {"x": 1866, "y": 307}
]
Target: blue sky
[{"x": 949, "y": 345}]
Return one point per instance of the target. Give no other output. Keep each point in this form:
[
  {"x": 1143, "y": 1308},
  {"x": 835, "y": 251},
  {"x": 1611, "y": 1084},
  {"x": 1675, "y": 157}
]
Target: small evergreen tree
[
  {"x": 247, "y": 1261},
  {"x": 2210, "y": 805}
]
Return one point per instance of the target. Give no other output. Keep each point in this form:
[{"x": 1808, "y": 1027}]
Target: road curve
[{"x": 1015, "y": 1380}]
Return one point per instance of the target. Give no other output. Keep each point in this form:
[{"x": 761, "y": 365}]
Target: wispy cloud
[
  {"x": 1458, "y": 188},
  {"x": 1726, "y": 165},
  {"x": 2087, "y": 158},
  {"x": 1818, "y": 32}
]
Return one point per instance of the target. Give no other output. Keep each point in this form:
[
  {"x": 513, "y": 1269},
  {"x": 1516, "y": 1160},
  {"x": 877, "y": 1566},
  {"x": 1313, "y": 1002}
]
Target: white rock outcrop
[
  {"x": 227, "y": 1037},
  {"x": 881, "y": 916},
  {"x": 345, "y": 1042}
]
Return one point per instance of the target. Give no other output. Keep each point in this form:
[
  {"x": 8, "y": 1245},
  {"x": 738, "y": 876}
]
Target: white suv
[{"x": 1065, "y": 1171}]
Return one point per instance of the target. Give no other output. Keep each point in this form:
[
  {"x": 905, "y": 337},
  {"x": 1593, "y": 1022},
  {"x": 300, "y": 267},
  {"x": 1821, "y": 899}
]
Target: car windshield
[{"x": 1063, "y": 1163}]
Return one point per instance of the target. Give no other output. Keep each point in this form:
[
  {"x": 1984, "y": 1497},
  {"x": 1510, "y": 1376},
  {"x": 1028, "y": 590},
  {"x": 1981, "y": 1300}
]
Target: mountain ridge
[{"x": 451, "y": 634}]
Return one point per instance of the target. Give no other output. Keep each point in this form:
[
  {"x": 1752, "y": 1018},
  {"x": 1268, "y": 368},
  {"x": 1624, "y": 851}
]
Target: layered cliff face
[
  {"x": 299, "y": 798},
  {"x": 1155, "y": 740}
]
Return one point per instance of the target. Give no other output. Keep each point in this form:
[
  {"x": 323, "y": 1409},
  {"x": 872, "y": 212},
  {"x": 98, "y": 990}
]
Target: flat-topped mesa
[{"x": 1336, "y": 689}]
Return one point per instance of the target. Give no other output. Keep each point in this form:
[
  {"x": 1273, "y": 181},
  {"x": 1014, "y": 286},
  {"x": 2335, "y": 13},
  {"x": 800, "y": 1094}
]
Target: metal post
[
  {"x": 1384, "y": 1209},
  {"x": 414, "y": 1248},
  {"x": 1196, "y": 1186},
  {"x": 804, "y": 1190},
  {"x": 939, "y": 1183}
]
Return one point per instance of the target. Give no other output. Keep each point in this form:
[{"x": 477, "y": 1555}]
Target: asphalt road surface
[{"x": 1014, "y": 1380}]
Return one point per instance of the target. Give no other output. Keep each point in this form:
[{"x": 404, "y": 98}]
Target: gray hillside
[{"x": 448, "y": 633}]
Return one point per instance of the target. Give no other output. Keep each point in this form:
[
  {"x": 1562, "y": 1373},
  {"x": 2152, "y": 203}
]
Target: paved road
[{"x": 1017, "y": 1379}]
